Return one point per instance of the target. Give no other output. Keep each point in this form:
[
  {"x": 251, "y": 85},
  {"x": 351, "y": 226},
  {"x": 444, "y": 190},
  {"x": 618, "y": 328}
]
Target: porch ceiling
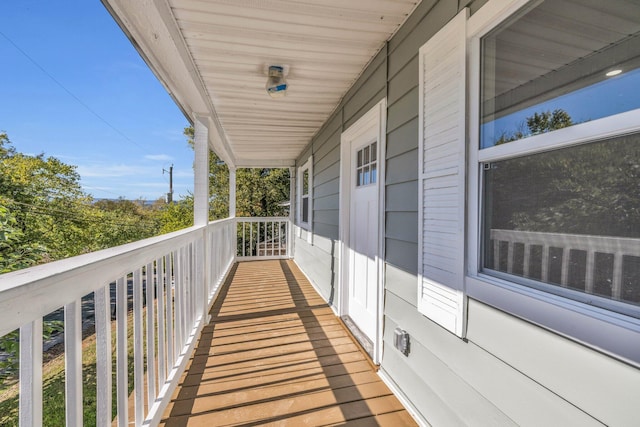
[{"x": 212, "y": 57}]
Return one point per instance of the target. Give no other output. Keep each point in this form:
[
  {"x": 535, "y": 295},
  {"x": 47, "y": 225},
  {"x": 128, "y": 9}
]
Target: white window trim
[
  {"x": 307, "y": 166},
  {"x": 611, "y": 333}
]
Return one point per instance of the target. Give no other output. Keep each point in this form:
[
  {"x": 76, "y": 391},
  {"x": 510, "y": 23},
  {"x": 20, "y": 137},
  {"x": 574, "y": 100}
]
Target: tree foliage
[
  {"x": 538, "y": 123},
  {"x": 260, "y": 192},
  {"x": 587, "y": 189},
  {"x": 45, "y": 215}
]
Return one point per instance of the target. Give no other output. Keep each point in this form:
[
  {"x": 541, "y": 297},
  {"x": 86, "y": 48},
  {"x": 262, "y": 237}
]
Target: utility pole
[{"x": 170, "y": 193}]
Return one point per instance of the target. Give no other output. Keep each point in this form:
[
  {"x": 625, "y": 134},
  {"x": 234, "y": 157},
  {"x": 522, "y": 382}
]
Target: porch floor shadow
[{"x": 274, "y": 353}]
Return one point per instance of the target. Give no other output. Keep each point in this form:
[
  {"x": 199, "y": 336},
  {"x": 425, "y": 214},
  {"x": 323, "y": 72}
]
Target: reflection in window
[
  {"x": 568, "y": 218},
  {"x": 305, "y": 196},
  {"x": 366, "y": 165},
  {"x": 556, "y": 65}
]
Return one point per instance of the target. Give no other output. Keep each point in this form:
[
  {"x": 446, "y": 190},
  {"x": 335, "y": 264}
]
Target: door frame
[{"x": 376, "y": 116}]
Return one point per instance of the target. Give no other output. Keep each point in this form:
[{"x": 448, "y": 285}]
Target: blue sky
[{"x": 77, "y": 43}]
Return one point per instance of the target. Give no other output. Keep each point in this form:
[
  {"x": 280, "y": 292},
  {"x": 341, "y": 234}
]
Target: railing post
[
  {"x": 201, "y": 173},
  {"x": 201, "y": 213}
]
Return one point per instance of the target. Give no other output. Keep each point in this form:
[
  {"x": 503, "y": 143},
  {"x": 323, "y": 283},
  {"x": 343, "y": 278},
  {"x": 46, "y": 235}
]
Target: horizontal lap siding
[{"x": 318, "y": 258}]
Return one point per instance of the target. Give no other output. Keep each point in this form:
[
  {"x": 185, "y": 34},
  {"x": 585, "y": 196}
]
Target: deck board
[{"x": 275, "y": 354}]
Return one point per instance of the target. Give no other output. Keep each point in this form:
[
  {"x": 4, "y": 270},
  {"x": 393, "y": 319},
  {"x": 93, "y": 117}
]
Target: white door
[{"x": 363, "y": 232}]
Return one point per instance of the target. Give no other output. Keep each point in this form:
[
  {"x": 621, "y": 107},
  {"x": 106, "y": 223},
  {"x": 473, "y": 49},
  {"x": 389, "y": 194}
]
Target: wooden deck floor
[{"x": 275, "y": 354}]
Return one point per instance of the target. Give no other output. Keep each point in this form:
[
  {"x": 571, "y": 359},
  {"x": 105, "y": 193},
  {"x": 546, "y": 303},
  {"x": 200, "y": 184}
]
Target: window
[
  {"x": 555, "y": 170},
  {"x": 367, "y": 165},
  {"x": 304, "y": 194}
]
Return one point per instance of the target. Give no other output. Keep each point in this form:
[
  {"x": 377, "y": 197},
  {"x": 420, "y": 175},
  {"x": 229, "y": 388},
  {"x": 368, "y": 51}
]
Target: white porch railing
[
  {"x": 263, "y": 238},
  {"x": 617, "y": 247},
  {"x": 163, "y": 285}
]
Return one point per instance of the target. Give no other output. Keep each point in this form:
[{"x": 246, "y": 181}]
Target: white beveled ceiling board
[{"x": 224, "y": 46}]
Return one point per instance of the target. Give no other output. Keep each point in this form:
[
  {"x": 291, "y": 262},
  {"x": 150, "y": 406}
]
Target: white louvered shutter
[{"x": 442, "y": 176}]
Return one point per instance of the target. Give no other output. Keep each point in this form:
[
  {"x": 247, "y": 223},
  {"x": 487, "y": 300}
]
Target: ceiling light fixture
[
  {"x": 276, "y": 83},
  {"x": 613, "y": 73}
]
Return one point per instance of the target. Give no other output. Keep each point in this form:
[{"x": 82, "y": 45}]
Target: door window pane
[{"x": 366, "y": 165}]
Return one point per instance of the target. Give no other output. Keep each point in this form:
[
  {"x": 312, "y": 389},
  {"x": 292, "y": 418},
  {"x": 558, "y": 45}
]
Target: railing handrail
[
  {"x": 261, "y": 218},
  {"x": 59, "y": 282}
]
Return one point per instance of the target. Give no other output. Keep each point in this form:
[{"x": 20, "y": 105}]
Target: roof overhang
[{"x": 212, "y": 58}]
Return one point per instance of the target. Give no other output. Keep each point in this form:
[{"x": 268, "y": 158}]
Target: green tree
[{"x": 176, "y": 216}]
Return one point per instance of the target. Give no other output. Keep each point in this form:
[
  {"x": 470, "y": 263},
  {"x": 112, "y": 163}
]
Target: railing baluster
[
  {"x": 138, "y": 348},
  {"x": 526, "y": 260},
  {"x": 170, "y": 274},
  {"x": 190, "y": 289},
  {"x": 589, "y": 273},
  {"x": 73, "y": 362},
  {"x": 151, "y": 357},
  {"x": 496, "y": 254},
  {"x": 564, "y": 271},
  {"x": 177, "y": 301},
  {"x": 193, "y": 309},
  {"x": 243, "y": 238},
  {"x": 510, "y": 257},
  {"x": 122, "y": 376},
  {"x": 102, "y": 300},
  {"x": 273, "y": 235},
  {"x": 162, "y": 338},
  {"x": 616, "y": 285},
  {"x": 545, "y": 263},
  {"x": 31, "y": 374}
]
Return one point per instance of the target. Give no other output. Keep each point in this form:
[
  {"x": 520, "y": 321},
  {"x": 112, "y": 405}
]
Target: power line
[
  {"x": 56, "y": 81},
  {"x": 45, "y": 210}
]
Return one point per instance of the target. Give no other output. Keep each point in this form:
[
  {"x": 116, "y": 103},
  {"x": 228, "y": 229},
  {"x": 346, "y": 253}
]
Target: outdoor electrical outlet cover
[{"x": 401, "y": 341}]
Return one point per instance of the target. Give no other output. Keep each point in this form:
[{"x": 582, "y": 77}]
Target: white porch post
[
  {"x": 201, "y": 173},
  {"x": 201, "y": 211},
  {"x": 292, "y": 205},
  {"x": 232, "y": 192}
]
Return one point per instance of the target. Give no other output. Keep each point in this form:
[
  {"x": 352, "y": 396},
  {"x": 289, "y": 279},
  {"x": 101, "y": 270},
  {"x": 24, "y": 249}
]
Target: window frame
[
  {"x": 306, "y": 167},
  {"x": 609, "y": 332}
]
